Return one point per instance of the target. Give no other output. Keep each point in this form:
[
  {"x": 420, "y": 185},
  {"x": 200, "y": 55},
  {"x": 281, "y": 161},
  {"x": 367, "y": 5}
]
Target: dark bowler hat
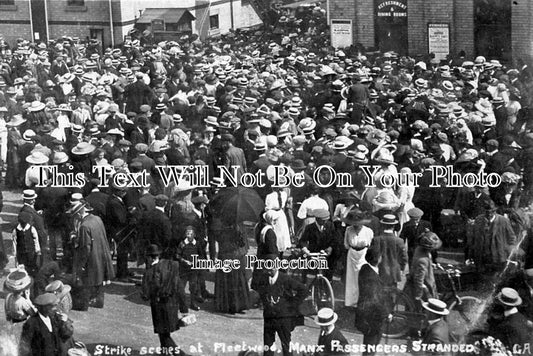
[{"x": 153, "y": 250}]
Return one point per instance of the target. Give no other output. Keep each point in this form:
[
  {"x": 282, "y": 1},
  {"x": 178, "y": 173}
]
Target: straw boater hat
[
  {"x": 509, "y": 297},
  {"x": 341, "y": 143},
  {"x": 17, "y": 120},
  {"x": 436, "y": 306},
  {"x": 83, "y": 148},
  {"x": 58, "y": 288},
  {"x": 325, "y": 317},
  {"x": 389, "y": 219},
  {"x": 17, "y": 280},
  {"x": 60, "y": 157}
]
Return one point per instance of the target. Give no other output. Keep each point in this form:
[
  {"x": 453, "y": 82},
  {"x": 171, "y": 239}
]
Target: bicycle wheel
[
  {"x": 322, "y": 294},
  {"x": 402, "y": 307},
  {"x": 464, "y": 315}
]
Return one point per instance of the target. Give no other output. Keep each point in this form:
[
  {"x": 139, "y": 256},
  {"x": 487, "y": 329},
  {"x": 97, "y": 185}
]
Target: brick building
[
  {"x": 110, "y": 20},
  {"x": 500, "y": 29}
]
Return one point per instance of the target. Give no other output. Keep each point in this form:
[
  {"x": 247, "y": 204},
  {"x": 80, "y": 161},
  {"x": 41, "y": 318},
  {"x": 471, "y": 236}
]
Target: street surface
[{"x": 124, "y": 326}]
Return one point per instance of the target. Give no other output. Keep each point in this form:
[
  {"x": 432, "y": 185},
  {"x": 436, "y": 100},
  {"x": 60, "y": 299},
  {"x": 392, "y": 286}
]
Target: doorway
[
  {"x": 38, "y": 18},
  {"x": 492, "y": 29},
  {"x": 97, "y": 34},
  {"x": 390, "y": 24}
]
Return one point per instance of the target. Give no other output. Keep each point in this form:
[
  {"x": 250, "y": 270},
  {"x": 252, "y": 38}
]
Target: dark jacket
[
  {"x": 36, "y": 340},
  {"x": 162, "y": 287},
  {"x": 394, "y": 257},
  {"x": 371, "y": 306},
  {"x": 334, "y": 338},
  {"x": 437, "y": 334},
  {"x": 156, "y": 228},
  {"x": 411, "y": 232},
  {"x": 282, "y": 299}
]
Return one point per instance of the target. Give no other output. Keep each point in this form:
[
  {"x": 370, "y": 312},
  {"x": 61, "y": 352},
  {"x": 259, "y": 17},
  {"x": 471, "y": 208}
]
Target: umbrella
[{"x": 238, "y": 204}]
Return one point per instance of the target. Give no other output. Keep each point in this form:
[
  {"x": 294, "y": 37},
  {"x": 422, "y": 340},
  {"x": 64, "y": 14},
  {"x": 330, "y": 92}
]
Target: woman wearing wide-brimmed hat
[
  {"x": 421, "y": 283},
  {"x": 357, "y": 238},
  {"x": 18, "y": 306}
]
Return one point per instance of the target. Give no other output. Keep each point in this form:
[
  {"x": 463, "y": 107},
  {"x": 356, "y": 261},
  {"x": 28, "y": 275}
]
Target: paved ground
[{"x": 124, "y": 326}]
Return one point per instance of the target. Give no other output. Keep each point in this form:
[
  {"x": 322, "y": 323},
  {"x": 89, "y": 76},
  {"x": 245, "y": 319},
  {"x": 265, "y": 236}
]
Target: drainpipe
[
  {"x": 46, "y": 20},
  {"x": 231, "y": 14},
  {"x": 31, "y": 21},
  {"x": 111, "y": 24}
]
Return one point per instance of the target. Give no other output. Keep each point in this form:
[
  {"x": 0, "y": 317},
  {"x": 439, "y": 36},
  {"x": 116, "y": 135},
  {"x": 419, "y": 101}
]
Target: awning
[
  {"x": 170, "y": 15},
  {"x": 296, "y": 4}
]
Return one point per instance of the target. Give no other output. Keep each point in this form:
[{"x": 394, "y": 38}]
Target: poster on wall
[
  {"x": 439, "y": 39},
  {"x": 341, "y": 33}
]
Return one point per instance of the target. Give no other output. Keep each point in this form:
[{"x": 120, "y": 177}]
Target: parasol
[{"x": 237, "y": 204}]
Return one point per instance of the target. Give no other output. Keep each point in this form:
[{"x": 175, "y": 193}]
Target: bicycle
[
  {"x": 321, "y": 292},
  {"x": 403, "y": 317}
]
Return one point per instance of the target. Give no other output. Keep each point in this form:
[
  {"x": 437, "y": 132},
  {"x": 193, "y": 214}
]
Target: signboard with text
[
  {"x": 439, "y": 39},
  {"x": 341, "y": 33},
  {"x": 394, "y": 11}
]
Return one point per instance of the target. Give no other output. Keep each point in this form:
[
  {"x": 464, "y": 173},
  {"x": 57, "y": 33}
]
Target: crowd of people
[{"x": 254, "y": 101}]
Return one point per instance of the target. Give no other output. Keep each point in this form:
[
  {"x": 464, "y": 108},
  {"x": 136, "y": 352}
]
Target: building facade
[
  {"x": 498, "y": 29},
  {"x": 110, "y": 20}
]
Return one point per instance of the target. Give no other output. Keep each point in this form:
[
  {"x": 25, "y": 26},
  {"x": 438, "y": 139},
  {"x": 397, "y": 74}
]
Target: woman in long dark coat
[{"x": 232, "y": 294}]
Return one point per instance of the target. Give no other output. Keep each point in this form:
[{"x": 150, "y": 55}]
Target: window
[
  {"x": 76, "y": 2},
  {"x": 213, "y": 22},
  {"x": 7, "y": 2}
]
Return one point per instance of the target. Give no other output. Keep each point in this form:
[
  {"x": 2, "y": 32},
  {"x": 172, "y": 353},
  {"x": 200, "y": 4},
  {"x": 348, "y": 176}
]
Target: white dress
[
  {"x": 280, "y": 223},
  {"x": 354, "y": 261}
]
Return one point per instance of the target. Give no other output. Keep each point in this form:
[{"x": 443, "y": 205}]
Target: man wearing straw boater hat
[
  {"x": 28, "y": 199},
  {"x": 515, "y": 331},
  {"x": 93, "y": 266},
  {"x": 394, "y": 253},
  {"x": 331, "y": 339},
  {"x": 437, "y": 331}
]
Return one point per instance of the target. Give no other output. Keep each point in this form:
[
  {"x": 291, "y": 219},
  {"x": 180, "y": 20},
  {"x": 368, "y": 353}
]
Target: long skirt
[
  {"x": 232, "y": 294},
  {"x": 354, "y": 262}
]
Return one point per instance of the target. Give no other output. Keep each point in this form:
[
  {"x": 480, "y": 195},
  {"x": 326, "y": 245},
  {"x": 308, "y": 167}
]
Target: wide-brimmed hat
[
  {"x": 436, "y": 306},
  {"x": 325, "y": 317},
  {"x": 37, "y": 157},
  {"x": 36, "y": 106},
  {"x": 355, "y": 216},
  {"x": 17, "y": 120},
  {"x": 376, "y": 137},
  {"x": 18, "y": 280},
  {"x": 83, "y": 148},
  {"x": 389, "y": 219},
  {"x": 58, "y": 288},
  {"x": 484, "y": 106},
  {"x": 28, "y": 135},
  {"x": 384, "y": 156},
  {"x": 341, "y": 143},
  {"x": 509, "y": 297},
  {"x": 429, "y": 240}
]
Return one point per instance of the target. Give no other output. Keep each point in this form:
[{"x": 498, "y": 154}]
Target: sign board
[
  {"x": 439, "y": 39},
  {"x": 391, "y": 9},
  {"x": 341, "y": 33}
]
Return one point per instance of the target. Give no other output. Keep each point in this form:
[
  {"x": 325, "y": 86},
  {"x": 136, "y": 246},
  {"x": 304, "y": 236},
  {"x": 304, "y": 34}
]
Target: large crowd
[{"x": 256, "y": 100}]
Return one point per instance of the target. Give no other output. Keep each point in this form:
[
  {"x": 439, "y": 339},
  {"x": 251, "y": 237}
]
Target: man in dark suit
[
  {"x": 331, "y": 341},
  {"x": 137, "y": 94},
  {"x": 28, "y": 198},
  {"x": 394, "y": 254},
  {"x": 42, "y": 334},
  {"x": 162, "y": 287},
  {"x": 320, "y": 236},
  {"x": 413, "y": 229},
  {"x": 97, "y": 200},
  {"x": 371, "y": 310},
  {"x": 156, "y": 227},
  {"x": 437, "y": 331},
  {"x": 116, "y": 226},
  {"x": 515, "y": 331},
  {"x": 281, "y": 295}
]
